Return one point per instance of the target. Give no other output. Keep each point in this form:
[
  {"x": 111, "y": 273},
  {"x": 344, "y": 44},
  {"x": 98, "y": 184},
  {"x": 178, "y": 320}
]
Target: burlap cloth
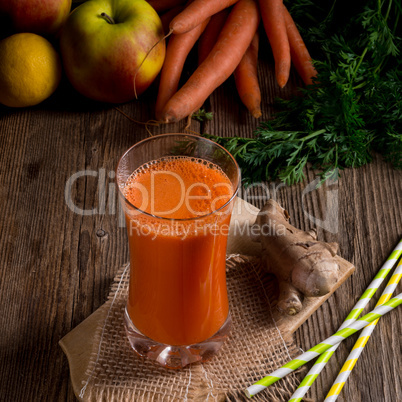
[{"x": 254, "y": 349}]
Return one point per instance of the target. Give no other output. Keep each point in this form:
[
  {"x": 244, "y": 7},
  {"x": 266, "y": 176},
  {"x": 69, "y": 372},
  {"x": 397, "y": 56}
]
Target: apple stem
[{"x": 108, "y": 18}]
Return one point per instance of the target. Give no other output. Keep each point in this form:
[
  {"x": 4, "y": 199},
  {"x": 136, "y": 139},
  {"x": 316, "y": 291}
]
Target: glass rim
[{"x": 198, "y": 137}]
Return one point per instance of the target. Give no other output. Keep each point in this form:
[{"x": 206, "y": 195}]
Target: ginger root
[{"x": 302, "y": 265}]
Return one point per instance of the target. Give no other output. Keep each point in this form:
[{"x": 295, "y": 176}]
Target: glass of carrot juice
[{"x": 177, "y": 193}]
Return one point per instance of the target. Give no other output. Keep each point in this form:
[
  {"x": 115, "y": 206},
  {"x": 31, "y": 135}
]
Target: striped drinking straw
[
  {"x": 323, "y": 346},
  {"x": 353, "y": 315},
  {"x": 363, "y": 338}
]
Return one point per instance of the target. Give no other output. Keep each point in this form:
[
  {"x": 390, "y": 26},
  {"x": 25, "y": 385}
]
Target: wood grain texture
[
  {"x": 77, "y": 346},
  {"x": 56, "y": 266}
]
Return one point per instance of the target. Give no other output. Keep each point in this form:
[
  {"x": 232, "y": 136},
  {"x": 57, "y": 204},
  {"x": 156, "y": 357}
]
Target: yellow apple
[
  {"x": 105, "y": 44},
  {"x": 43, "y": 17}
]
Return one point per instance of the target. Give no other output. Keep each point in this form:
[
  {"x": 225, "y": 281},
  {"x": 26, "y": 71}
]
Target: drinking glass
[{"x": 177, "y": 310}]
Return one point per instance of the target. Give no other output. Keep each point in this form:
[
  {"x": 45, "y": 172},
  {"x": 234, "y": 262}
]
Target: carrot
[
  {"x": 178, "y": 48},
  {"x": 275, "y": 28},
  {"x": 211, "y": 33},
  {"x": 236, "y": 36},
  {"x": 196, "y": 12},
  {"x": 163, "y": 5},
  {"x": 298, "y": 51},
  {"x": 246, "y": 79},
  {"x": 168, "y": 16}
]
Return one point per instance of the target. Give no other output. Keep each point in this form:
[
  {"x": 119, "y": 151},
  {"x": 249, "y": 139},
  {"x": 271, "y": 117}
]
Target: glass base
[{"x": 175, "y": 357}]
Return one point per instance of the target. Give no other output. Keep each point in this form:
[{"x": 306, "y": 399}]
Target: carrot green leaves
[{"x": 354, "y": 106}]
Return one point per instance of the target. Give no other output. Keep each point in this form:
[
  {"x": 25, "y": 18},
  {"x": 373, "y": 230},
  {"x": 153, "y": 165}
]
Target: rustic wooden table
[{"x": 57, "y": 263}]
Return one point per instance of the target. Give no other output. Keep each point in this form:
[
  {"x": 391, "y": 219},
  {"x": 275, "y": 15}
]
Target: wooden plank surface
[
  {"x": 77, "y": 344},
  {"x": 56, "y": 266}
]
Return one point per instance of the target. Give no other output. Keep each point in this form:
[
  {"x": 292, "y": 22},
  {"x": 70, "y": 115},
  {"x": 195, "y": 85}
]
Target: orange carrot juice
[{"x": 177, "y": 293}]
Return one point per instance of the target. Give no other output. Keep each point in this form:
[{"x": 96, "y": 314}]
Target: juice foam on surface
[{"x": 178, "y": 187}]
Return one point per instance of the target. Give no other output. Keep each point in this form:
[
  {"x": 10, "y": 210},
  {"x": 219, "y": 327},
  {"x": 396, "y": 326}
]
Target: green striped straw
[
  {"x": 323, "y": 346},
  {"x": 352, "y": 317},
  {"x": 362, "y": 340}
]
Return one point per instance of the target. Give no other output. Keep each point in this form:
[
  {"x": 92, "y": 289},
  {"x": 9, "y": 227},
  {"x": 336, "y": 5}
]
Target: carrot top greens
[{"x": 354, "y": 105}]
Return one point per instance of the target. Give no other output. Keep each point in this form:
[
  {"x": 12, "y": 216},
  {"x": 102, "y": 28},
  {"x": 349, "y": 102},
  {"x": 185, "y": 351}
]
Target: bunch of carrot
[{"x": 226, "y": 32}]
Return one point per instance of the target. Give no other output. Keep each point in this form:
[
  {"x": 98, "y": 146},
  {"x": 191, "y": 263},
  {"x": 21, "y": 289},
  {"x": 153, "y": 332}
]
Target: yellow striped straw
[
  {"x": 363, "y": 338},
  {"x": 352, "y": 317},
  {"x": 316, "y": 350}
]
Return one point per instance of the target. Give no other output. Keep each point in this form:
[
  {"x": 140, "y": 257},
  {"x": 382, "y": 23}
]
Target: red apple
[
  {"x": 103, "y": 44},
  {"x": 44, "y": 17}
]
